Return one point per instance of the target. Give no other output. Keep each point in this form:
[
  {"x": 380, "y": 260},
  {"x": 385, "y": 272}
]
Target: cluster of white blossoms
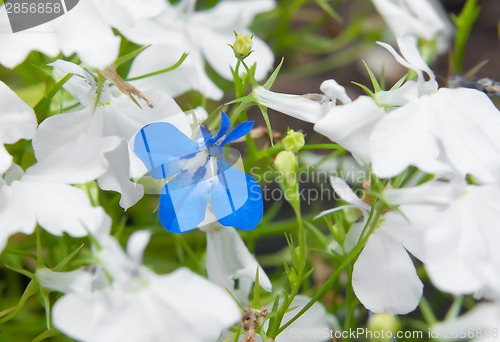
[
  {"x": 448, "y": 222},
  {"x": 438, "y": 149}
]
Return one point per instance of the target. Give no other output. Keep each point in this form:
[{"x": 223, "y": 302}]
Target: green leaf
[
  {"x": 464, "y": 22},
  {"x": 59, "y": 267},
  {"x": 329, "y": 9},
  {"x": 124, "y": 59},
  {"x": 273, "y": 76},
  {"x": 46, "y": 334},
  {"x": 162, "y": 71},
  {"x": 263, "y": 110},
  {"x": 44, "y": 103},
  {"x": 373, "y": 79},
  {"x": 256, "y": 292},
  {"x": 400, "y": 82},
  {"x": 30, "y": 291},
  {"x": 365, "y": 88}
]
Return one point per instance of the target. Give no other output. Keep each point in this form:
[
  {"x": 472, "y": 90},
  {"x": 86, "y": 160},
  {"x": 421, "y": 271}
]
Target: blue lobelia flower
[{"x": 198, "y": 173}]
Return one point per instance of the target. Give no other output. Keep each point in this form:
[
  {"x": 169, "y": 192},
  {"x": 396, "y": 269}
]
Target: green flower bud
[
  {"x": 293, "y": 141},
  {"x": 286, "y": 164},
  {"x": 383, "y": 323},
  {"x": 242, "y": 46}
]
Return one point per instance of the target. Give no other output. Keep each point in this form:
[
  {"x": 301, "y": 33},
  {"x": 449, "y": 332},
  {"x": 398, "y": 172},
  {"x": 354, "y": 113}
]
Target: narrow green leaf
[
  {"x": 162, "y": 71},
  {"x": 365, "y": 88},
  {"x": 373, "y": 79},
  {"x": 273, "y": 76},
  {"x": 263, "y": 110},
  {"x": 329, "y": 10},
  {"x": 30, "y": 291},
  {"x": 46, "y": 334},
  {"x": 45, "y": 101},
  {"x": 464, "y": 23},
  {"x": 59, "y": 267},
  {"x": 124, "y": 59},
  {"x": 400, "y": 82},
  {"x": 256, "y": 292}
]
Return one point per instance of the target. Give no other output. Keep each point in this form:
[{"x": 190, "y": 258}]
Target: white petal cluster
[
  {"x": 205, "y": 36},
  {"x": 86, "y": 30},
  {"x": 94, "y": 143},
  {"x": 121, "y": 300}
]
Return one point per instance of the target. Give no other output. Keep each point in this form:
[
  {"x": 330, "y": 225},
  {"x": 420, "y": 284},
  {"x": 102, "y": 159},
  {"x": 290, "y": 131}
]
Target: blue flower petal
[
  {"x": 183, "y": 203},
  {"x": 236, "y": 198},
  {"x": 239, "y": 131},
  {"x": 161, "y": 147},
  {"x": 225, "y": 123}
]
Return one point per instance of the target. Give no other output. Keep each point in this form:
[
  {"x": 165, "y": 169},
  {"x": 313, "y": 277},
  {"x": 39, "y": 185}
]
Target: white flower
[
  {"x": 458, "y": 233},
  {"x": 481, "y": 324},
  {"x": 229, "y": 261},
  {"x": 86, "y": 30},
  {"x": 418, "y": 18},
  {"x": 351, "y": 126},
  {"x": 205, "y": 35},
  {"x": 133, "y": 303},
  {"x": 17, "y": 121},
  {"x": 40, "y": 196},
  {"x": 309, "y": 107},
  {"x": 313, "y": 326},
  {"x": 384, "y": 277},
  {"x": 74, "y": 136}
]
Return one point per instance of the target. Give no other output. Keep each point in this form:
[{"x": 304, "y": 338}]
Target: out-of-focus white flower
[
  {"x": 418, "y": 18},
  {"x": 481, "y": 324},
  {"x": 86, "y": 30},
  {"x": 17, "y": 121},
  {"x": 205, "y": 35},
  {"x": 124, "y": 301},
  {"x": 309, "y": 107},
  {"x": 313, "y": 326},
  {"x": 40, "y": 196},
  {"x": 229, "y": 261},
  {"x": 84, "y": 134},
  {"x": 384, "y": 277}
]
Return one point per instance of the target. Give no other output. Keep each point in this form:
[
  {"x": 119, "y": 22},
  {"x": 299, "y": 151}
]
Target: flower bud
[
  {"x": 242, "y": 46},
  {"x": 293, "y": 141},
  {"x": 383, "y": 325},
  {"x": 286, "y": 164}
]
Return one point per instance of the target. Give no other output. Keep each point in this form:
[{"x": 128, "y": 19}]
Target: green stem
[{"x": 369, "y": 228}]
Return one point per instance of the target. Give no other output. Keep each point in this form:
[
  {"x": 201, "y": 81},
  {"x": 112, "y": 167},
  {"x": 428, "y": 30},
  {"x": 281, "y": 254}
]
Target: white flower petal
[
  {"x": 117, "y": 177},
  {"x": 79, "y": 280},
  {"x": 83, "y": 160},
  {"x": 346, "y": 193},
  {"x": 17, "y": 119},
  {"x": 96, "y": 44},
  {"x": 228, "y": 259},
  {"x": 61, "y": 208},
  {"x": 137, "y": 244},
  {"x": 15, "y": 215},
  {"x": 464, "y": 237},
  {"x": 335, "y": 91},
  {"x": 313, "y": 326},
  {"x": 384, "y": 277},
  {"x": 351, "y": 126},
  {"x": 190, "y": 75},
  {"x": 484, "y": 317},
  {"x": 404, "y": 137},
  {"x": 297, "y": 106}
]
